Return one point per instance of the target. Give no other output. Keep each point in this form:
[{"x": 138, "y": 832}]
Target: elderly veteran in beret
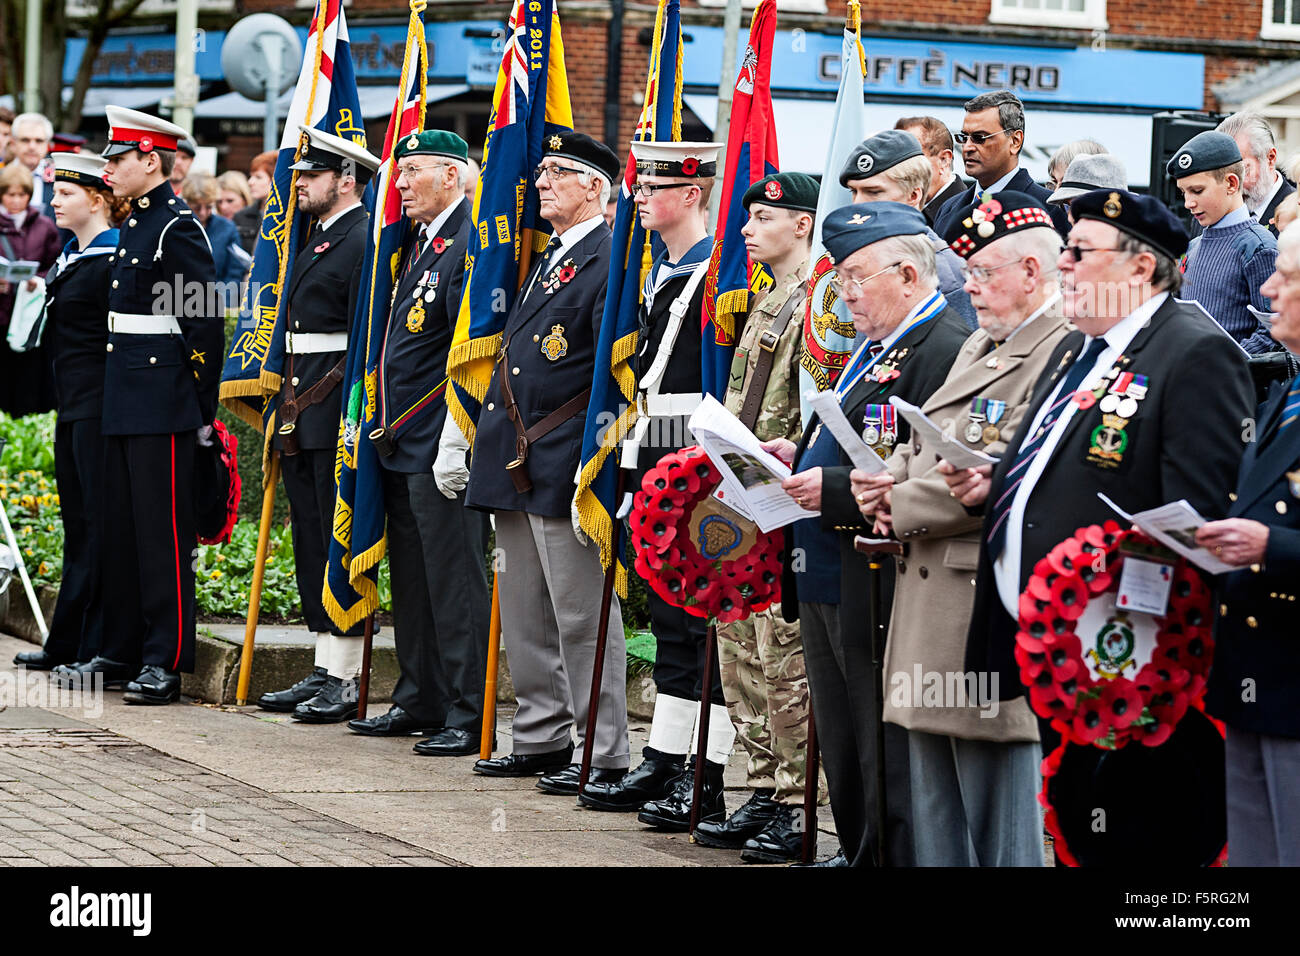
[
  {"x": 974, "y": 763},
  {"x": 892, "y": 167},
  {"x": 1254, "y": 687},
  {"x": 885, "y": 273},
  {"x": 1087, "y": 173}
]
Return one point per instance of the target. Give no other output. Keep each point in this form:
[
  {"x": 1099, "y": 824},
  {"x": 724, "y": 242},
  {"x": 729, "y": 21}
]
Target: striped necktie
[
  {"x": 1291, "y": 410},
  {"x": 1016, "y": 474}
]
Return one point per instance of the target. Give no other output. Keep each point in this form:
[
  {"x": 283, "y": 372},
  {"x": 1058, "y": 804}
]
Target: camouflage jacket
[{"x": 778, "y": 417}]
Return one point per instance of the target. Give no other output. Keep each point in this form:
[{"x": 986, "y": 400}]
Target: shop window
[
  {"x": 1083, "y": 14},
  {"x": 1281, "y": 20}
]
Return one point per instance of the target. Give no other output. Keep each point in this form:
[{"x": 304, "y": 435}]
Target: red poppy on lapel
[
  {"x": 439, "y": 244},
  {"x": 321, "y": 248}
]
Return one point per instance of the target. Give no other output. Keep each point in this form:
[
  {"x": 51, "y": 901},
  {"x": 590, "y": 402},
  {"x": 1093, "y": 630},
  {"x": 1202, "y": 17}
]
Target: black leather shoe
[
  {"x": 524, "y": 765},
  {"x": 839, "y": 859},
  {"x": 395, "y": 723},
  {"x": 115, "y": 675},
  {"x": 673, "y": 812},
  {"x": 334, "y": 703},
  {"x": 449, "y": 742},
  {"x": 650, "y": 781},
  {"x": 38, "y": 660},
  {"x": 154, "y": 685},
  {"x": 284, "y": 701},
  {"x": 748, "y": 821},
  {"x": 780, "y": 842},
  {"x": 565, "y": 782}
]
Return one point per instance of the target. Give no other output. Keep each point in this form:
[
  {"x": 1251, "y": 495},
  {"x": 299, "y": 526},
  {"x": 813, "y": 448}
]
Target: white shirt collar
[
  {"x": 577, "y": 232},
  {"x": 946, "y": 183},
  {"x": 1277, "y": 184},
  {"x": 431, "y": 228},
  {"x": 1122, "y": 332},
  {"x": 1000, "y": 185},
  {"x": 326, "y": 223}
]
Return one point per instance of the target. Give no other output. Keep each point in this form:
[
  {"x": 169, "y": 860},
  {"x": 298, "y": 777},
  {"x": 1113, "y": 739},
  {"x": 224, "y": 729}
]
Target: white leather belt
[
  {"x": 678, "y": 403},
  {"x": 131, "y": 323},
  {"x": 300, "y": 343}
]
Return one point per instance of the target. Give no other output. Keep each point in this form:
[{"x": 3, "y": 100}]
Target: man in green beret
[{"x": 761, "y": 658}]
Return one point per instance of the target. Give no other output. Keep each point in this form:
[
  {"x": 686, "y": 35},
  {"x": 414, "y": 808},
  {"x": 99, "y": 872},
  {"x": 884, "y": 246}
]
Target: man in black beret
[{"x": 1142, "y": 403}]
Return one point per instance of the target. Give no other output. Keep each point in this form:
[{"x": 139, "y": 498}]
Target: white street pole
[
  {"x": 185, "y": 94},
  {"x": 726, "y": 84},
  {"x": 32, "y": 59}
]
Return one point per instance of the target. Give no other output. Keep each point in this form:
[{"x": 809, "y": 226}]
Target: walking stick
[
  {"x": 874, "y": 547},
  {"x": 488, "y": 732},
  {"x": 259, "y": 572},
  {"x": 702, "y": 744},
  {"x": 363, "y": 686},
  {"x": 602, "y": 638},
  {"x": 812, "y": 767}
]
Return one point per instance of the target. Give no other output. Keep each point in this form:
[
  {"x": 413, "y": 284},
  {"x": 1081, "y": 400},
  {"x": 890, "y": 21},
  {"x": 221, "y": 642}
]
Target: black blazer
[
  {"x": 1268, "y": 212},
  {"x": 1185, "y": 441},
  {"x": 323, "y": 298},
  {"x": 77, "y": 300},
  {"x": 413, "y": 366},
  {"x": 932, "y": 349},
  {"x": 540, "y": 384},
  {"x": 1255, "y": 635},
  {"x": 163, "y": 384},
  {"x": 1020, "y": 182},
  {"x": 935, "y": 205}
]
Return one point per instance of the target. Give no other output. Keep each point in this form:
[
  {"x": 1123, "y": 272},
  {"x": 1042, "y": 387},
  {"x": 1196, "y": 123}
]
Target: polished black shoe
[
  {"x": 525, "y": 765},
  {"x": 395, "y": 723},
  {"x": 38, "y": 660},
  {"x": 650, "y": 781},
  {"x": 673, "y": 812},
  {"x": 565, "y": 782},
  {"x": 154, "y": 685},
  {"x": 780, "y": 842},
  {"x": 839, "y": 859},
  {"x": 284, "y": 701},
  {"x": 748, "y": 821},
  {"x": 334, "y": 703},
  {"x": 449, "y": 742},
  {"x": 114, "y": 675}
]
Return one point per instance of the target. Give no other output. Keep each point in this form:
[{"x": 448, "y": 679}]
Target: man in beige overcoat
[{"x": 973, "y": 758}]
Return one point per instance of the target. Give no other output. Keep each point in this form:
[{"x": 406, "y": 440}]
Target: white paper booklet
[
  {"x": 946, "y": 447},
  {"x": 1174, "y": 525},
  {"x": 827, "y": 406}
]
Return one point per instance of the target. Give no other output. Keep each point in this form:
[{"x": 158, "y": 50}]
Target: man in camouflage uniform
[{"x": 761, "y": 658}]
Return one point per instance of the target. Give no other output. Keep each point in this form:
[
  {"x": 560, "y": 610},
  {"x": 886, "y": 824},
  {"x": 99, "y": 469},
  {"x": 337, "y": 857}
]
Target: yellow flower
[
  {"x": 221, "y": 557},
  {"x": 49, "y": 527},
  {"x": 31, "y": 553},
  {"x": 43, "y": 569},
  {"x": 28, "y": 501},
  {"x": 56, "y": 501},
  {"x": 215, "y": 575}
]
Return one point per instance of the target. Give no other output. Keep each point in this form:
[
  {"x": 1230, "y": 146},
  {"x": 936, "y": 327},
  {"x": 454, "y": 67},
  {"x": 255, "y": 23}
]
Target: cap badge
[
  {"x": 858, "y": 219},
  {"x": 773, "y": 190},
  {"x": 865, "y": 162},
  {"x": 146, "y": 144},
  {"x": 1184, "y": 160},
  {"x": 690, "y": 165},
  {"x": 1112, "y": 207},
  {"x": 556, "y": 142},
  {"x": 413, "y": 142},
  {"x": 986, "y": 228},
  {"x": 555, "y": 346}
]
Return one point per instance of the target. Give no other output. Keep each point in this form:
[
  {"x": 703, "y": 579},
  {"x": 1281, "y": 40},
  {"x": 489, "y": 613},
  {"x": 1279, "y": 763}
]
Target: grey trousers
[
  {"x": 974, "y": 802},
  {"x": 1263, "y": 793},
  {"x": 549, "y": 588}
]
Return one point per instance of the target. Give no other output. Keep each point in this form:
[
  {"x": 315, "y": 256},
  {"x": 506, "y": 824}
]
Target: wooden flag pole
[
  {"x": 259, "y": 572},
  {"x": 702, "y": 744},
  {"x": 363, "y": 686},
  {"x": 488, "y": 733},
  {"x": 812, "y": 767}
]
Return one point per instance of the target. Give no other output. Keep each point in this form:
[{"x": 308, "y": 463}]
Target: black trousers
[
  {"x": 77, "y": 627},
  {"x": 441, "y": 601},
  {"x": 309, "y": 483},
  {"x": 149, "y": 548},
  {"x": 837, "y": 655},
  {"x": 679, "y": 652}
]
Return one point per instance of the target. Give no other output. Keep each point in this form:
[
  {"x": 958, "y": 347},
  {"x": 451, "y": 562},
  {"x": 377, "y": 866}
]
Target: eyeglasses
[
  {"x": 646, "y": 190},
  {"x": 1076, "y": 252},
  {"x": 984, "y": 273},
  {"x": 979, "y": 139},
  {"x": 555, "y": 173},
  {"x": 856, "y": 286},
  {"x": 409, "y": 171}
]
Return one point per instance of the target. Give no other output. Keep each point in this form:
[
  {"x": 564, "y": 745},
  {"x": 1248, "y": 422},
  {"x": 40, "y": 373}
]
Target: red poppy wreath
[{"x": 696, "y": 552}]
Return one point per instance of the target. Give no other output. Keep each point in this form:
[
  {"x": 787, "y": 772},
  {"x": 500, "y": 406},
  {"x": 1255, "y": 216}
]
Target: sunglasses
[{"x": 979, "y": 139}]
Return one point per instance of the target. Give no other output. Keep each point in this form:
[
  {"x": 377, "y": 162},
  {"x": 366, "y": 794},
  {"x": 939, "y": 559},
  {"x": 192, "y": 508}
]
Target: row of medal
[{"x": 425, "y": 291}]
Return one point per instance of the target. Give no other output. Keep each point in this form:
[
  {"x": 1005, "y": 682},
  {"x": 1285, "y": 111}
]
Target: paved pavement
[{"x": 91, "y": 781}]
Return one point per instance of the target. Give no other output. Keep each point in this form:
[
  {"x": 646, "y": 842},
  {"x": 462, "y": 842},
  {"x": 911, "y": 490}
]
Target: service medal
[
  {"x": 1293, "y": 481},
  {"x": 415, "y": 318},
  {"x": 555, "y": 345},
  {"x": 990, "y": 434},
  {"x": 974, "y": 431}
]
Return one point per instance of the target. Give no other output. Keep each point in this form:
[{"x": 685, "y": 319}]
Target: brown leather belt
[
  {"x": 291, "y": 405},
  {"x": 526, "y": 436},
  {"x": 767, "y": 341}
]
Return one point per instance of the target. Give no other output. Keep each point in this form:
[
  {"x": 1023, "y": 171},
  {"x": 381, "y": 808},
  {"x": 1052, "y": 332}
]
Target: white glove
[
  {"x": 205, "y": 436},
  {"x": 450, "y": 473}
]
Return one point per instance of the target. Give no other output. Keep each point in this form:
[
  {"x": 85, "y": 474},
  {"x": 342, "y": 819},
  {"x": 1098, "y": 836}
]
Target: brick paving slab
[{"x": 78, "y": 797}]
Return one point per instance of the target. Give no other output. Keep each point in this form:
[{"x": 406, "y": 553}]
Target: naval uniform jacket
[
  {"x": 322, "y": 299},
  {"x": 413, "y": 364},
  {"x": 76, "y": 300},
  {"x": 571, "y": 311},
  {"x": 1184, "y": 441},
  {"x": 156, "y": 384},
  {"x": 1255, "y": 635},
  {"x": 1021, "y": 182}
]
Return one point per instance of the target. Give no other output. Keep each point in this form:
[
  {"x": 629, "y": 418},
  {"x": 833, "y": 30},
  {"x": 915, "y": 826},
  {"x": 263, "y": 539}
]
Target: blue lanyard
[{"x": 927, "y": 311}]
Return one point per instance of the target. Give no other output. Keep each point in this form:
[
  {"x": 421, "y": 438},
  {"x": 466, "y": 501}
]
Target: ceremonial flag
[
  {"x": 612, "y": 409},
  {"x": 751, "y": 155},
  {"x": 325, "y": 98},
  {"x": 531, "y": 101},
  {"x": 357, "y": 542},
  {"x": 828, "y": 332}
]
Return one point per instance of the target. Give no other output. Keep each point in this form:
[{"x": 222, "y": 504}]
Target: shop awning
[{"x": 376, "y": 102}]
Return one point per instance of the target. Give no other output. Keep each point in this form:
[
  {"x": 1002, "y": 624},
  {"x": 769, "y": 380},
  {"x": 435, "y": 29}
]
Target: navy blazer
[
  {"x": 1255, "y": 681},
  {"x": 1021, "y": 182},
  {"x": 76, "y": 302}
]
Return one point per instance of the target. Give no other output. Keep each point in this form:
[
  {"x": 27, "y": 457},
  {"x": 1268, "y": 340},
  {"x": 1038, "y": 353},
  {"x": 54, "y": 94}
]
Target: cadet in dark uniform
[
  {"x": 322, "y": 298},
  {"x": 550, "y": 586},
  {"x": 441, "y": 601},
  {"x": 672, "y": 190},
  {"x": 160, "y": 389},
  {"x": 887, "y": 276},
  {"x": 76, "y": 328}
]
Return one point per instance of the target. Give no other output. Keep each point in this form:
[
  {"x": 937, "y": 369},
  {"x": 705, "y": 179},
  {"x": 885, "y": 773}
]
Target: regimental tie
[
  {"x": 997, "y": 535},
  {"x": 551, "y": 249},
  {"x": 1291, "y": 410}
]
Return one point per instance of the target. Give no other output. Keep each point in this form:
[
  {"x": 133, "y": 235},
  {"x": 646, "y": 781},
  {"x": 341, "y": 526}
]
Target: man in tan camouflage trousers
[{"x": 761, "y": 658}]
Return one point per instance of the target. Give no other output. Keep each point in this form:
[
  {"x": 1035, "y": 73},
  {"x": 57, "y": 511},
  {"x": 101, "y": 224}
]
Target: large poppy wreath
[{"x": 694, "y": 551}]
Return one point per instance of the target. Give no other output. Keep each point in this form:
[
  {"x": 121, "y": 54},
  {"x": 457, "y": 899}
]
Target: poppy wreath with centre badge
[{"x": 694, "y": 551}]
